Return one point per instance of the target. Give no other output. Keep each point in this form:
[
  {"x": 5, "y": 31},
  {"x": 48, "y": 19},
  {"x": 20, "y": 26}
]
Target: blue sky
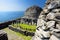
[{"x": 19, "y": 5}]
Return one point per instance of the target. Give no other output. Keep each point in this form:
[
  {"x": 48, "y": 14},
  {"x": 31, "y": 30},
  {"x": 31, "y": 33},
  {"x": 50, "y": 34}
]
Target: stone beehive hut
[
  {"x": 48, "y": 24},
  {"x": 31, "y": 14}
]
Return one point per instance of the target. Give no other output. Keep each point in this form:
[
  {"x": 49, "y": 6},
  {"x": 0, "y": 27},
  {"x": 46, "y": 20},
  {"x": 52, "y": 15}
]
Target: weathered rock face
[
  {"x": 48, "y": 24},
  {"x": 3, "y": 35},
  {"x": 33, "y": 11},
  {"x": 31, "y": 15}
]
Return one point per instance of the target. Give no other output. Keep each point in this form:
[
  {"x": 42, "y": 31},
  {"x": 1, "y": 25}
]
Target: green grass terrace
[{"x": 30, "y": 28}]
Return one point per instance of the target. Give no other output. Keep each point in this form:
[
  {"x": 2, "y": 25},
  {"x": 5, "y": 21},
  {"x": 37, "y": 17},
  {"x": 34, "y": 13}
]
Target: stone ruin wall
[{"x": 48, "y": 24}]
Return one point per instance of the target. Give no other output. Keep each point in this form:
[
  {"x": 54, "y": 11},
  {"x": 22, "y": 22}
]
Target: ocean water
[{"x": 7, "y": 16}]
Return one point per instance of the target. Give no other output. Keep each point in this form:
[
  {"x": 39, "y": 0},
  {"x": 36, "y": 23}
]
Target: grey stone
[
  {"x": 42, "y": 17},
  {"x": 45, "y": 34},
  {"x": 54, "y": 4},
  {"x": 50, "y": 16},
  {"x": 40, "y": 22},
  {"x": 58, "y": 26},
  {"x": 54, "y": 38},
  {"x": 50, "y": 24},
  {"x": 37, "y": 38},
  {"x": 56, "y": 34},
  {"x": 44, "y": 27},
  {"x": 56, "y": 30},
  {"x": 3, "y": 35}
]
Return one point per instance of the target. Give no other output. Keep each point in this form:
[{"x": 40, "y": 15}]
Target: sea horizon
[{"x": 11, "y": 15}]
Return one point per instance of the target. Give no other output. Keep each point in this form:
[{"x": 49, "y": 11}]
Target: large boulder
[{"x": 3, "y": 35}]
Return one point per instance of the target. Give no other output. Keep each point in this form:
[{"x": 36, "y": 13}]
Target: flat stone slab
[
  {"x": 53, "y": 37},
  {"x": 57, "y": 35},
  {"x": 2, "y": 32}
]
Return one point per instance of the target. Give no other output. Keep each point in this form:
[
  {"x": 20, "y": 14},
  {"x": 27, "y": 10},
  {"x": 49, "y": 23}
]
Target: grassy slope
[{"x": 18, "y": 34}]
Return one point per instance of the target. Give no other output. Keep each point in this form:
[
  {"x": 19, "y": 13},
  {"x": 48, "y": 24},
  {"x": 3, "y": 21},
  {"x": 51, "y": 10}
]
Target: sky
[{"x": 19, "y": 5}]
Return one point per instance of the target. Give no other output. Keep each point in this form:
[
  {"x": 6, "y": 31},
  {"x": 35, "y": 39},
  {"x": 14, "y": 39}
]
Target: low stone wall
[
  {"x": 22, "y": 31},
  {"x": 3, "y": 35}
]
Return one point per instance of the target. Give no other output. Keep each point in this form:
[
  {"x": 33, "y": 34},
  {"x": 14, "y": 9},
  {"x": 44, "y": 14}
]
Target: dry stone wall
[
  {"x": 24, "y": 32},
  {"x": 48, "y": 24}
]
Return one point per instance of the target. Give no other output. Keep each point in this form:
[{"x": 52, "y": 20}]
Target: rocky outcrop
[
  {"x": 33, "y": 12},
  {"x": 3, "y": 35},
  {"x": 48, "y": 24},
  {"x": 31, "y": 15}
]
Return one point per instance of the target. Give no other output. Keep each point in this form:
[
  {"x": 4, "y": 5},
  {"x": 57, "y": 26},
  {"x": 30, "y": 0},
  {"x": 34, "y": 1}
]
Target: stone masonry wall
[{"x": 48, "y": 24}]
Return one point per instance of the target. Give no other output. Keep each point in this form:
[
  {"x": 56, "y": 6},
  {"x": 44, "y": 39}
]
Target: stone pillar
[
  {"x": 22, "y": 20},
  {"x": 32, "y": 22}
]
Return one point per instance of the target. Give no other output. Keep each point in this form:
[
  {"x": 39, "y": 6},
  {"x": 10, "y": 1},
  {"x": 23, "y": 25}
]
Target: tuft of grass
[{"x": 24, "y": 37}]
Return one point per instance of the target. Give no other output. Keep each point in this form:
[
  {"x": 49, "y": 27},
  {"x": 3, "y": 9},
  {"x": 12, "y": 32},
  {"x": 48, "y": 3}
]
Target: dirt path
[{"x": 12, "y": 35}]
